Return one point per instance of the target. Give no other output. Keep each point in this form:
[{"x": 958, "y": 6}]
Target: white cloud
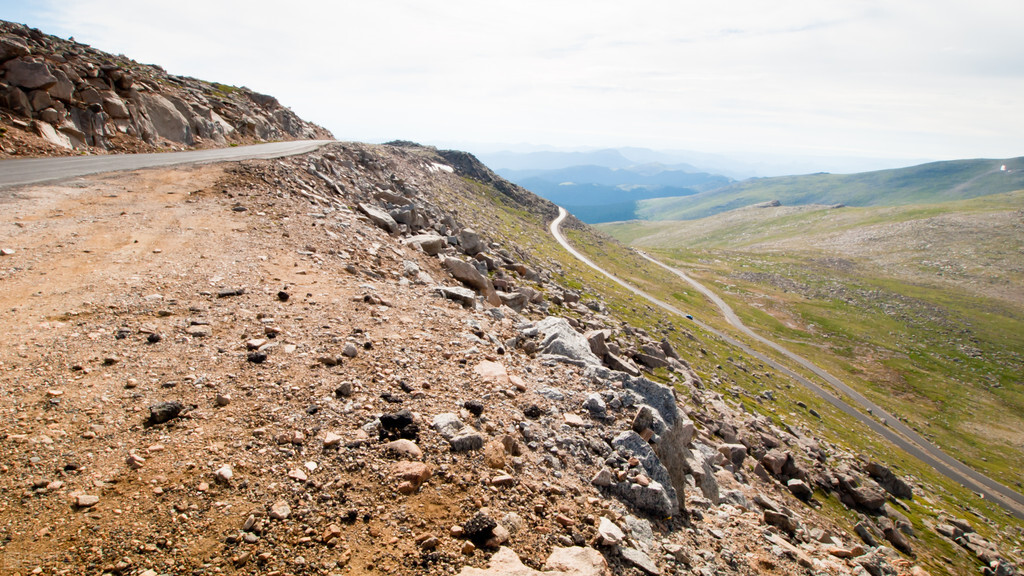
[{"x": 899, "y": 79}]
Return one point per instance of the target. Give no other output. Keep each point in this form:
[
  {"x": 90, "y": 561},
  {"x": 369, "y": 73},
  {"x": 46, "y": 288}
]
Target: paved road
[
  {"x": 892, "y": 429},
  {"x": 35, "y": 170}
]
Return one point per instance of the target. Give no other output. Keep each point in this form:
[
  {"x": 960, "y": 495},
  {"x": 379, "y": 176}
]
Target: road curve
[
  {"x": 894, "y": 430},
  {"x": 34, "y": 170}
]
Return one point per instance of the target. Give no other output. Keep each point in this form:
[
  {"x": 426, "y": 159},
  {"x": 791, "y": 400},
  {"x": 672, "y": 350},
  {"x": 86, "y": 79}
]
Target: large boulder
[
  {"x": 114, "y": 106},
  {"x": 703, "y": 471},
  {"x": 29, "y": 75},
  {"x": 560, "y": 339},
  {"x": 431, "y": 244},
  {"x": 659, "y": 496},
  {"x": 379, "y": 217},
  {"x": 470, "y": 242},
  {"x": 17, "y": 101},
  {"x": 167, "y": 120},
  {"x": 64, "y": 89},
  {"x": 12, "y": 48},
  {"x": 886, "y": 479},
  {"x": 468, "y": 274},
  {"x": 48, "y": 133}
]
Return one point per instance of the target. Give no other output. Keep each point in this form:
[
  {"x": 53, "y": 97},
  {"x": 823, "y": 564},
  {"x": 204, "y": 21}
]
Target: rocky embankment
[
  {"x": 60, "y": 97},
  {"x": 340, "y": 363}
]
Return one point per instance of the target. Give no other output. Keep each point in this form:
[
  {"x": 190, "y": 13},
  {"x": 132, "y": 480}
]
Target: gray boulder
[
  {"x": 470, "y": 242},
  {"x": 460, "y": 437},
  {"x": 514, "y": 300},
  {"x": 29, "y": 75},
  {"x": 379, "y": 217},
  {"x": 889, "y": 481},
  {"x": 114, "y": 106},
  {"x": 431, "y": 244},
  {"x": 560, "y": 339},
  {"x": 447, "y": 424},
  {"x": 12, "y": 48},
  {"x": 464, "y": 296},
  {"x": 703, "y": 472},
  {"x": 659, "y": 497},
  {"x": 468, "y": 274},
  {"x": 167, "y": 121}
]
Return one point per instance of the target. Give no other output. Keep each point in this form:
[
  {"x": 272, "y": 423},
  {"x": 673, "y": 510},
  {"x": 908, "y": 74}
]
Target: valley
[{"x": 919, "y": 306}]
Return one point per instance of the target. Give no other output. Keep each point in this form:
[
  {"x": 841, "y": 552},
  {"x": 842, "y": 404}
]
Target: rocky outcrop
[{"x": 76, "y": 97}]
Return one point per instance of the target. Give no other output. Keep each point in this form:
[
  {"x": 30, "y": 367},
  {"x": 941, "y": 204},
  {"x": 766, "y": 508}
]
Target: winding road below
[
  {"x": 34, "y": 170},
  {"x": 889, "y": 427}
]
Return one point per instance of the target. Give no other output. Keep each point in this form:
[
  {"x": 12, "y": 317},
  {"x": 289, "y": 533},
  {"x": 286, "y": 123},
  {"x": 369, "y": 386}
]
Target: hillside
[
  {"x": 927, "y": 183},
  {"x": 316, "y": 365},
  {"x": 60, "y": 97},
  {"x": 920, "y": 306}
]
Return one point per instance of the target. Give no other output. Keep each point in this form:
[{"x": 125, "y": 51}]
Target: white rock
[
  {"x": 609, "y": 533},
  {"x": 224, "y": 474}
]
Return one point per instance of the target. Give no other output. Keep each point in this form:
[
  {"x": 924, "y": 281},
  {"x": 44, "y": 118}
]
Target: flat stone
[
  {"x": 465, "y": 440},
  {"x": 379, "y": 217},
  {"x": 199, "y": 330},
  {"x": 640, "y": 560},
  {"x": 332, "y": 439},
  {"x": 280, "y": 510},
  {"x": 431, "y": 244},
  {"x": 503, "y": 481},
  {"x": 86, "y": 500},
  {"x": 781, "y": 521},
  {"x": 608, "y": 533},
  {"x": 492, "y": 372},
  {"x": 573, "y": 419},
  {"x": 799, "y": 488}
]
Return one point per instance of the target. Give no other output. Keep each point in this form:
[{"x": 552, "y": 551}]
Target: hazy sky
[{"x": 909, "y": 79}]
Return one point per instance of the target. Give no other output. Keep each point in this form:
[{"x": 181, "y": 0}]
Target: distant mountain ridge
[
  {"x": 600, "y": 193},
  {"x": 927, "y": 183}
]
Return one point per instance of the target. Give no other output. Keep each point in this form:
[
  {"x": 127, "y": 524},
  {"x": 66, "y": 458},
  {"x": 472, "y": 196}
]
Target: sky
[{"x": 922, "y": 79}]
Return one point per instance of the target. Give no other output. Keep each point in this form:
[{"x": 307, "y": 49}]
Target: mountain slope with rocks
[
  {"x": 60, "y": 97},
  {"x": 372, "y": 359}
]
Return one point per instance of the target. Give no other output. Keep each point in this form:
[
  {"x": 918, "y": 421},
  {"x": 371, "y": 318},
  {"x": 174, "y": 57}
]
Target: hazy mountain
[
  {"x": 933, "y": 182},
  {"x": 736, "y": 165}
]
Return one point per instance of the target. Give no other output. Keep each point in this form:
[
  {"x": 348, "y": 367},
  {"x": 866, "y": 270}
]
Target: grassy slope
[
  {"x": 940, "y": 345},
  {"x": 934, "y": 182},
  {"x": 723, "y": 368}
]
